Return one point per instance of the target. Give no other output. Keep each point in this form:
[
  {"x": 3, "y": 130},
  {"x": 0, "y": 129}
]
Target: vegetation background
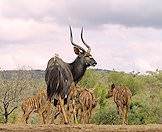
[{"x": 146, "y": 104}]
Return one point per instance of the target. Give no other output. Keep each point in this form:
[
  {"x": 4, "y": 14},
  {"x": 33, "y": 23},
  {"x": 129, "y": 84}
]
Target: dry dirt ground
[{"x": 80, "y": 128}]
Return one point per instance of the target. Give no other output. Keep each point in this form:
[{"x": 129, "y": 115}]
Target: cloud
[
  {"x": 26, "y": 8},
  {"x": 33, "y": 56},
  {"x": 124, "y": 35},
  {"x": 128, "y": 49},
  {"x": 124, "y": 12},
  {"x": 18, "y": 30},
  {"x": 88, "y": 13}
]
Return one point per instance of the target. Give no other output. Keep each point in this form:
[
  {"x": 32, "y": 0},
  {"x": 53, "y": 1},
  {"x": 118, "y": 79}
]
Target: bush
[
  {"x": 144, "y": 110},
  {"x": 106, "y": 116},
  {"x": 121, "y": 78}
]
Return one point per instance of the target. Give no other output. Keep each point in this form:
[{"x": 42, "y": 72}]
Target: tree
[{"x": 12, "y": 88}]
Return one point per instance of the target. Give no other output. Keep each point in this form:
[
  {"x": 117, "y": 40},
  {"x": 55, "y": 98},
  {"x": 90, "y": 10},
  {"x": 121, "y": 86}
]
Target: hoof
[{"x": 66, "y": 123}]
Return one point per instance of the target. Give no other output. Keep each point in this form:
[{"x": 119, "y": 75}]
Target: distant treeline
[{"x": 37, "y": 74}]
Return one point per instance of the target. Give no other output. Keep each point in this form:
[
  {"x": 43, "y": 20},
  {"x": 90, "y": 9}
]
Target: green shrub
[
  {"x": 13, "y": 118},
  {"x": 106, "y": 116},
  {"x": 121, "y": 78},
  {"x": 144, "y": 110}
]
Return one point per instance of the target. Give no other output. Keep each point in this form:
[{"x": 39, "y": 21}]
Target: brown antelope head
[
  {"x": 94, "y": 104},
  {"x": 110, "y": 92}
]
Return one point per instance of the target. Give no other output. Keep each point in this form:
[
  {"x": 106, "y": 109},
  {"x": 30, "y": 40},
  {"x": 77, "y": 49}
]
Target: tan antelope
[
  {"x": 80, "y": 104},
  {"x": 37, "y": 104},
  {"x": 122, "y": 96},
  {"x": 87, "y": 102}
]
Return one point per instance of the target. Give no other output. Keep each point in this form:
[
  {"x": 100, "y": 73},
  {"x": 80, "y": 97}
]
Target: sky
[{"x": 124, "y": 35}]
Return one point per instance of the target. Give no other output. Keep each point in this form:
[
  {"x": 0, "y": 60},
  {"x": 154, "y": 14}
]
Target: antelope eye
[{"x": 87, "y": 57}]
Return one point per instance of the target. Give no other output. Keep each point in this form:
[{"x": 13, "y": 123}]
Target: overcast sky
[{"x": 124, "y": 35}]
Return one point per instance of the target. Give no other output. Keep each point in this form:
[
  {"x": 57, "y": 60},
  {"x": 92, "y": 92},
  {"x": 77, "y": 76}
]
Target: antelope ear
[
  {"x": 76, "y": 50},
  {"x": 113, "y": 86}
]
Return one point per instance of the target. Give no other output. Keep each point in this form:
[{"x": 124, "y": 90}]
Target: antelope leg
[{"x": 63, "y": 110}]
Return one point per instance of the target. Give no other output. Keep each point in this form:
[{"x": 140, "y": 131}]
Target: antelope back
[{"x": 86, "y": 98}]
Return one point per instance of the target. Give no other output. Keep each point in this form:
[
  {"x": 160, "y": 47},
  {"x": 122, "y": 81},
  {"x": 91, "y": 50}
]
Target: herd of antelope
[{"x": 74, "y": 103}]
